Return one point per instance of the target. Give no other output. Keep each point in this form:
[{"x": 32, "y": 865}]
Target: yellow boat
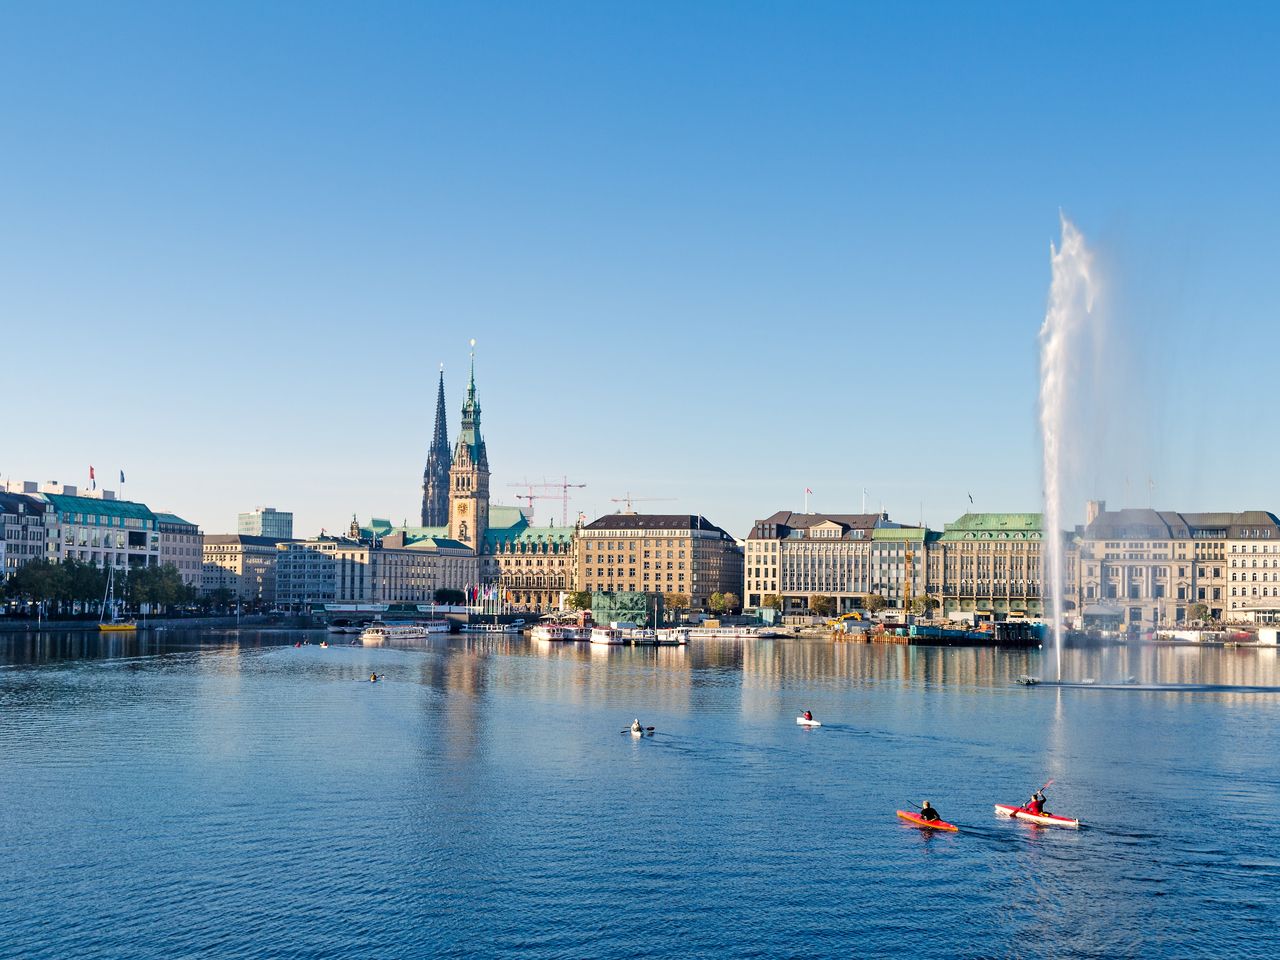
[{"x": 124, "y": 626}]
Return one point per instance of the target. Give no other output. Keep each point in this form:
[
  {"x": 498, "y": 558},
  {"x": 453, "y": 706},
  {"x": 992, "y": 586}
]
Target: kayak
[
  {"x": 1044, "y": 819},
  {"x": 807, "y": 723},
  {"x": 918, "y": 821}
]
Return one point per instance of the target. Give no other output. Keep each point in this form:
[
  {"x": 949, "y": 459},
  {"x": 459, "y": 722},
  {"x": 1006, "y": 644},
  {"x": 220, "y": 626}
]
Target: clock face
[{"x": 462, "y": 508}]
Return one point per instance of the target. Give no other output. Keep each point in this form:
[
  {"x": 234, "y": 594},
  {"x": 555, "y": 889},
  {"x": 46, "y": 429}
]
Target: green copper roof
[
  {"x": 995, "y": 526},
  {"x": 899, "y": 533},
  {"x": 101, "y": 508}
]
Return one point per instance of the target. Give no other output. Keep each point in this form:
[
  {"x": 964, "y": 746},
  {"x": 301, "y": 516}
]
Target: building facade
[
  {"x": 182, "y": 545},
  {"x": 266, "y": 522},
  {"x": 365, "y": 568},
  {"x": 243, "y": 564},
  {"x": 658, "y": 553},
  {"x": 988, "y": 563},
  {"x": 97, "y": 528},
  {"x": 796, "y": 556},
  {"x": 26, "y": 524}
]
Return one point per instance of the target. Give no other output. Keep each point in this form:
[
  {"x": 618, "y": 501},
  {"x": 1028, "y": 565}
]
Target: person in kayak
[
  {"x": 929, "y": 813},
  {"x": 635, "y": 726},
  {"x": 1035, "y": 804},
  {"x": 808, "y": 714},
  {"x": 373, "y": 678}
]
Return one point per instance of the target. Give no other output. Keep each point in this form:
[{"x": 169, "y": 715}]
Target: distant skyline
[{"x": 717, "y": 253}]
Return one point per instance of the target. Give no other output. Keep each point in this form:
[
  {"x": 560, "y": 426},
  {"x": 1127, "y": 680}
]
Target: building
[
  {"x": 97, "y": 528},
  {"x": 26, "y": 524},
  {"x": 1151, "y": 567},
  {"x": 988, "y": 563},
  {"x": 796, "y": 556},
  {"x": 899, "y": 563},
  {"x": 266, "y": 522},
  {"x": 435, "y": 478},
  {"x": 182, "y": 545},
  {"x": 243, "y": 564},
  {"x": 365, "y": 567},
  {"x": 658, "y": 553}
]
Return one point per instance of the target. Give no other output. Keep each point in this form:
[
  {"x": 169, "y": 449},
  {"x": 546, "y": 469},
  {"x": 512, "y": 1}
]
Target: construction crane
[
  {"x": 563, "y": 486},
  {"x": 629, "y": 500}
]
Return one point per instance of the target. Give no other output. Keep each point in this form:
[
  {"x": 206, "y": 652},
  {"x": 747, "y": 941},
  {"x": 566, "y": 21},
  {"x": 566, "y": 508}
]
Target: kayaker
[
  {"x": 929, "y": 813},
  {"x": 373, "y": 678},
  {"x": 635, "y": 726},
  {"x": 808, "y": 714},
  {"x": 1035, "y": 804}
]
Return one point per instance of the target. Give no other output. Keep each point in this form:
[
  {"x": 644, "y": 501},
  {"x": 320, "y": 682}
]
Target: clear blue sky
[{"x": 711, "y": 252}]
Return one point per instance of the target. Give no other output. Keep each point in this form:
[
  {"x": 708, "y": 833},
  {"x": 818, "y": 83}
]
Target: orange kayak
[{"x": 917, "y": 821}]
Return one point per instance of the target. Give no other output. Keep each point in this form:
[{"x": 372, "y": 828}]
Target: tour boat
[
  {"x": 557, "y": 631},
  {"x": 918, "y": 821},
  {"x": 1044, "y": 819},
  {"x": 490, "y": 628},
  {"x": 730, "y": 633},
  {"x": 673, "y": 637},
  {"x": 377, "y": 634},
  {"x": 613, "y": 636},
  {"x": 116, "y": 624}
]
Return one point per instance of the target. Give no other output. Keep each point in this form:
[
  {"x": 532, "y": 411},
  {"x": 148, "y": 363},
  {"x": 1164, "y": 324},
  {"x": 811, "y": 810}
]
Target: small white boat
[
  {"x": 673, "y": 637},
  {"x": 612, "y": 636},
  {"x": 338, "y": 626},
  {"x": 727, "y": 633},
  {"x": 808, "y": 723},
  {"x": 490, "y": 628}
]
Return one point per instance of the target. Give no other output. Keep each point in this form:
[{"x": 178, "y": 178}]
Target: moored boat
[
  {"x": 557, "y": 632},
  {"x": 1043, "y": 819},
  {"x": 918, "y": 821},
  {"x": 377, "y": 634},
  {"x": 611, "y": 636}
]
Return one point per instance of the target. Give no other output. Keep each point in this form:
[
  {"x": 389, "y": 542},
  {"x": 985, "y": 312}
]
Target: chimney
[{"x": 1092, "y": 509}]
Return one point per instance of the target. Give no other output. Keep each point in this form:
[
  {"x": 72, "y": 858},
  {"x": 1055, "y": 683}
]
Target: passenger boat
[
  {"x": 378, "y": 633},
  {"x": 613, "y": 636},
  {"x": 730, "y": 633},
  {"x": 339, "y": 626},
  {"x": 673, "y": 637},
  {"x": 557, "y": 632},
  {"x": 1043, "y": 819},
  {"x": 490, "y": 628}
]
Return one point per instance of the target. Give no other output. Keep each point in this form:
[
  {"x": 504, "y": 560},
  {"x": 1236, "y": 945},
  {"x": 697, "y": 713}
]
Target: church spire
[
  {"x": 435, "y": 478},
  {"x": 469, "y": 476}
]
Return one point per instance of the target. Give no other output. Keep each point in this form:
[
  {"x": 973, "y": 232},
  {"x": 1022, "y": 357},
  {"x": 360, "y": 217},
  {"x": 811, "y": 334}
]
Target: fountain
[{"x": 1069, "y": 327}]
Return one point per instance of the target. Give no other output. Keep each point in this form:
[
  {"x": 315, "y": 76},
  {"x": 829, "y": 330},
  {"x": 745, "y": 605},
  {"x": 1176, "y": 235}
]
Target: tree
[
  {"x": 449, "y": 597},
  {"x": 579, "y": 600},
  {"x": 874, "y": 603},
  {"x": 38, "y": 581},
  {"x": 821, "y": 605},
  {"x": 221, "y": 598},
  {"x": 772, "y": 600},
  {"x": 1198, "y": 611},
  {"x": 732, "y": 602},
  {"x": 675, "y": 602},
  {"x": 715, "y": 602},
  {"x": 923, "y": 604}
]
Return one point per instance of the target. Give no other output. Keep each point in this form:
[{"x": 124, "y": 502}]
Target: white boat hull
[{"x": 808, "y": 723}]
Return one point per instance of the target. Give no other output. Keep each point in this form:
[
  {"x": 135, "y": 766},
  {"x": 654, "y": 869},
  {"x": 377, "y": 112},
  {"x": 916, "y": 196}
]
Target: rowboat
[
  {"x": 918, "y": 821},
  {"x": 807, "y": 723},
  {"x": 1043, "y": 819}
]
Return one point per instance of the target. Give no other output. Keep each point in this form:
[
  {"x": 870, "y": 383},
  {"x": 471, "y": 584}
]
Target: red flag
[{"x": 92, "y": 480}]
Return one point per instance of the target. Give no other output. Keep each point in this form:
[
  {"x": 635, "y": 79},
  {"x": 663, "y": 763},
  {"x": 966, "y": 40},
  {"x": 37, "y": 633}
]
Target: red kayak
[
  {"x": 1044, "y": 819},
  {"x": 918, "y": 821}
]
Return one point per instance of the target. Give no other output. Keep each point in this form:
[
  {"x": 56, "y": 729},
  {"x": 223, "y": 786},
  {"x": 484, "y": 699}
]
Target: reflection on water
[{"x": 225, "y": 793}]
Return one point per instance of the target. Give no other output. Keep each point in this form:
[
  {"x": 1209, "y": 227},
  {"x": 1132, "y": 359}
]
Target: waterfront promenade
[{"x": 224, "y": 793}]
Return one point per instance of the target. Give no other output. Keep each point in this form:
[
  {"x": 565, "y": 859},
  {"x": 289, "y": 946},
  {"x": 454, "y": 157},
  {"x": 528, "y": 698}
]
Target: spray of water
[{"x": 1066, "y": 332}]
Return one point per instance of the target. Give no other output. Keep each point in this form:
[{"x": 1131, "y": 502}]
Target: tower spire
[{"x": 435, "y": 478}]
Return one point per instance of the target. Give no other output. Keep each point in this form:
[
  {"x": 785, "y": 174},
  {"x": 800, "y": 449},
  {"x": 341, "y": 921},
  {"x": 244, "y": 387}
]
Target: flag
[
  {"x": 971, "y": 498},
  {"x": 808, "y": 491},
  {"x": 122, "y": 476},
  {"x": 92, "y": 479}
]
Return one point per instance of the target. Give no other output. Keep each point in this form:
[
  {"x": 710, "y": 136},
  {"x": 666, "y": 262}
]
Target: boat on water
[
  {"x": 732, "y": 633},
  {"x": 558, "y": 632},
  {"x": 339, "y": 626},
  {"x": 378, "y": 633},
  {"x": 499, "y": 628},
  {"x": 109, "y": 619},
  {"x": 612, "y": 636},
  {"x": 808, "y": 723},
  {"x": 1043, "y": 819},
  {"x": 673, "y": 636},
  {"x": 1028, "y": 681},
  {"x": 918, "y": 821}
]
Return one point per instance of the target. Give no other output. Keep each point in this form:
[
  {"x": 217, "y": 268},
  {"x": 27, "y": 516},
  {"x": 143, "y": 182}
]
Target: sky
[{"x": 712, "y": 254}]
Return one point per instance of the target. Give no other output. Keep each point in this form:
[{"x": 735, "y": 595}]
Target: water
[
  {"x": 228, "y": 795},
  {"x": 1068, "y": 341}
]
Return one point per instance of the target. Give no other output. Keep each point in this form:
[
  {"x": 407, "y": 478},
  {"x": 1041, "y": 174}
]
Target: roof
[
  {"x": 21, "y": 503},
  {"x": 1146, "y": 524},
  {"x": 653, "y": 521},
  {"x": 528, "y": 536},
  {"x": 900, "y": 533},
  {"x": 786, "y": 521},
  {"x": 99, "y": 507},
  {"x": 174, "y": 518},
  {"x": 995, "y": 526}
]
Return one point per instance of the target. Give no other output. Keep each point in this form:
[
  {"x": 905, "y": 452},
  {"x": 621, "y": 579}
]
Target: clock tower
[{"x": 469, "y": 474}]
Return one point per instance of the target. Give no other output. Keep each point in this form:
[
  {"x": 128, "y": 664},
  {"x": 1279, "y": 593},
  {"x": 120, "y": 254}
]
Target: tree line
[{"x": 61, "y": 587}]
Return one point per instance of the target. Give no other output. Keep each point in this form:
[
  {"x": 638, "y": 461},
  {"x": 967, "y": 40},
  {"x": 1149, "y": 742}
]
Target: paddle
[{"x": 644, "y": 729}]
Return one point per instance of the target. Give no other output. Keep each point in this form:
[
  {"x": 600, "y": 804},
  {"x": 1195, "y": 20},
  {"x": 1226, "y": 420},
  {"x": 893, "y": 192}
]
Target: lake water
[{"x": 225, "y": 794}]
